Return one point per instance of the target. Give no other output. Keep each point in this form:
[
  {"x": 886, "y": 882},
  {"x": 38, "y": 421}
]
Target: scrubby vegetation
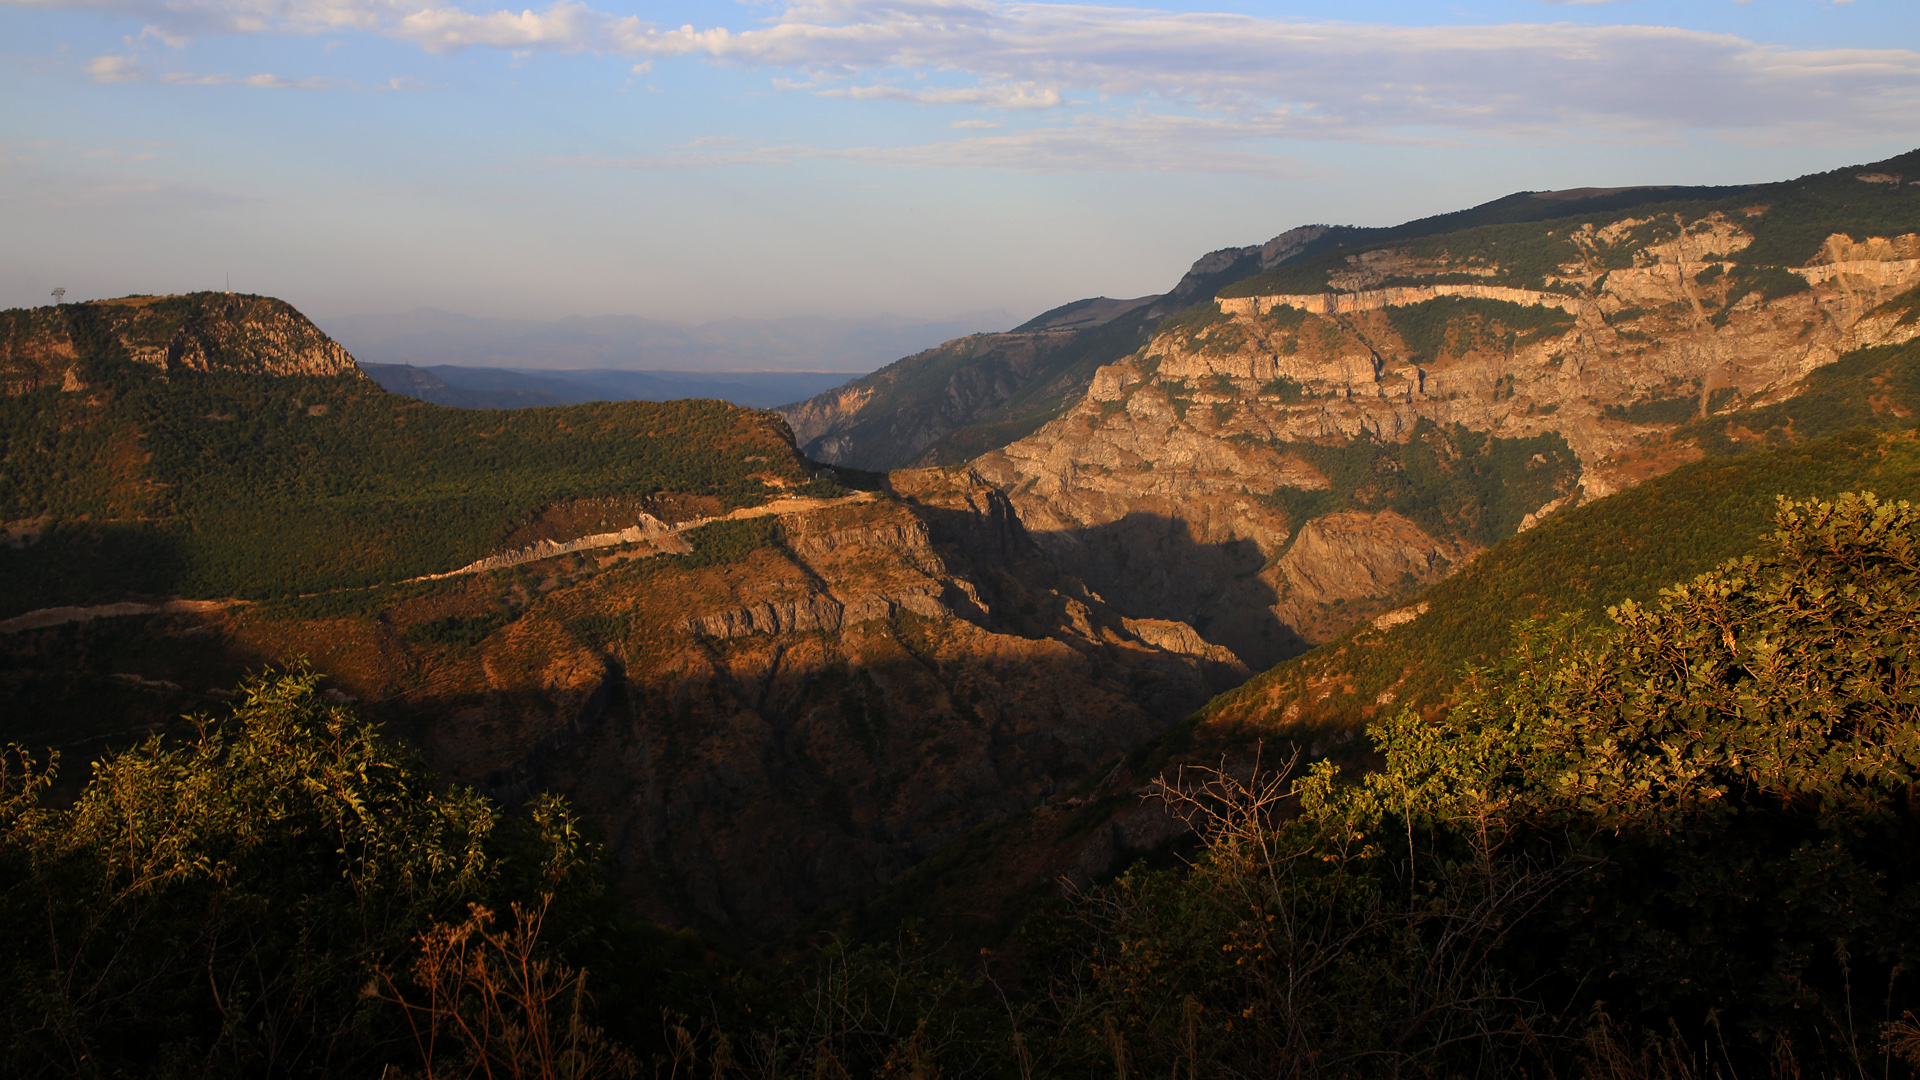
[
  {"x": 1678, "y": 846},
  {"x": 1693, "y": 824},
  {"x": 1575, "y": 563},
  {"x": 1451, "y": 481},
  {"x": 1674, "y": 403},
  {"x": 1452, "y": 326},
  {"x": 285, "y": 892}
]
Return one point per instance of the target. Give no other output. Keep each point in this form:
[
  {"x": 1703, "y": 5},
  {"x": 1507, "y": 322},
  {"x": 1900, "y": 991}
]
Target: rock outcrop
[
  {"x": 253, "y": 335},
  {"x": 1273, "y": 471},
  {"x": 945, "y": 405}
]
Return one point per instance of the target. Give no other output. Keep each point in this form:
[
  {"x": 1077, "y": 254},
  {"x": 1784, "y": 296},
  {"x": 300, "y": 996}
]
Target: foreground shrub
[{"x": 215, "y": 905}]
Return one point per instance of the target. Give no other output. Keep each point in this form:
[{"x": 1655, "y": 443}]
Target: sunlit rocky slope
[{"x": 1361, "y": 412}]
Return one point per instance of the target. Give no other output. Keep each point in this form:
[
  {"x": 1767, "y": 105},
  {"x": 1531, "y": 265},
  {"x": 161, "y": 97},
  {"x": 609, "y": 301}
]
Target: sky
[{"x": 853, "y": 158}]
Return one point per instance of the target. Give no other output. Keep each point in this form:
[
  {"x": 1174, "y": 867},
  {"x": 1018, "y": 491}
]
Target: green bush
[
  {"x": 1694, "y": 825},
  {"x": 1728, "y": 767},
  {"x": 1289, "y": 391},
  {"x": 1656, "y": 409},
  {"x": 216, "y": 905}
]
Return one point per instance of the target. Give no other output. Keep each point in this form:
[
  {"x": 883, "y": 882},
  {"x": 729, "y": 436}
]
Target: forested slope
[{"x": 222, "y": 480}]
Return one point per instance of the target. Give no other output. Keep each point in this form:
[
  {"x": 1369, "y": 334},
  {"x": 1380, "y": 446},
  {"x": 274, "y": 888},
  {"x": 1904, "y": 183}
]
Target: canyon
[{"x": 782, "y": 662}]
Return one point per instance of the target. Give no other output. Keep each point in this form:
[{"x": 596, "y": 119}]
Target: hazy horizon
[{"x": 429, "y": 337}]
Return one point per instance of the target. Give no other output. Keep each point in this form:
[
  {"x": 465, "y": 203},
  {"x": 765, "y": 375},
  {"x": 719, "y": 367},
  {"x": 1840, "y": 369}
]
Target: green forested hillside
[
  {"x": 1525, "y": 252},
  {"x": 217, "y": 484}
]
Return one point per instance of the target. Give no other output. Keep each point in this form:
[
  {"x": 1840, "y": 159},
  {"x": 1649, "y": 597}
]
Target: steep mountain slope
[
  {"x": 982, "y": 392},
  {"x": 995, "y": 383},
  {"x": 1330, "y": 436}
]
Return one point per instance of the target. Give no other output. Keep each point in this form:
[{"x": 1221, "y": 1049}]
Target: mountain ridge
[{"x": 815, "y": 702}]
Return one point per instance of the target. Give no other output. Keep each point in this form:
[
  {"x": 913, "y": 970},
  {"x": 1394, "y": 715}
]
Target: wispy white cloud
[
  {"x": 1248, "y": 78},
  {"x": 1324, "y": 79},
  {"x": 154, "y": 33},
  {"x": 113, "y": 69},
  {"x": 258, "y": 82},
  {"x": 129, "y": 70},
  {"x": 1023, "y": 96}
]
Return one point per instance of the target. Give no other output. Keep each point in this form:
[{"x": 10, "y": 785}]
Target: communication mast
[{"x": 59, "y": 295}]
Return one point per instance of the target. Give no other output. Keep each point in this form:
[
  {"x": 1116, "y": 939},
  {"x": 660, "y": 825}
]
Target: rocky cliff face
[
  {"x": 1282, "y": 466},
  {"x": 946, "y": 405},
  {"x": 41, "y": 347},
  {"x": 932, "y": 408},
  {"x": 759, "y": 735}
]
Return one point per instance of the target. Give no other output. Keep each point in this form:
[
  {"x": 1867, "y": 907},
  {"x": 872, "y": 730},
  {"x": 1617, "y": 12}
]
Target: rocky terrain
[
  {"x": 759, "y": 734},
  {"x": 229, "y": 332},
  {"x": 972, "y": 394},
  {"x": 1185, "y": 482},
  {"x": 981, "y": 392},
  {"x": 770, "y": 695},
  {"x": 775, "y": 697}
]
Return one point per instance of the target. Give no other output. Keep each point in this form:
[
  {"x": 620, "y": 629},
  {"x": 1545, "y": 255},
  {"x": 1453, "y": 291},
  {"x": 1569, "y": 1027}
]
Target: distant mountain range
[
  {"x": 425, "y": 337},
  {"x": 508, "y": 388}
]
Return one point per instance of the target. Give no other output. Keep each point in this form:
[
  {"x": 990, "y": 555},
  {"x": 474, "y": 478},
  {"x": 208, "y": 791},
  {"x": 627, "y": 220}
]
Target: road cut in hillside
[
  {"x": 648, "y": 529},
  {"x": 59, "y": 616},
  {"x": 665, "y": 538}
]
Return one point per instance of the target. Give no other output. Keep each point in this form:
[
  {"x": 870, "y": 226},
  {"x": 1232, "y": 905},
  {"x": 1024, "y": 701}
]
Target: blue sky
[{"x": 859, "y": 157}]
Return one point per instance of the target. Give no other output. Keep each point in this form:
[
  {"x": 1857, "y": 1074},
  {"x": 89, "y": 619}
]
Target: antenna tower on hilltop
[{"x": 59, "y": 295}]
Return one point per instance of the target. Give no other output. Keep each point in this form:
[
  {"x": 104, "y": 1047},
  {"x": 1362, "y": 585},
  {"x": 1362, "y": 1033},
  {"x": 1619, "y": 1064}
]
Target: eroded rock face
[
  {"x": 198, "y": 332},
  {"x": 900, "y": 415},
  {"x": 783, "y": 732},
  {"x": 1294, "y": 464}
]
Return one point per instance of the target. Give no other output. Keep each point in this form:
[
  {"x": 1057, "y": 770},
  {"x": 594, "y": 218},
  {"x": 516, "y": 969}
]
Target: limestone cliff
[
  {"x": 1275, "y": 467},
  {"x": 979, "y": 393},
  {"x": 972, "y": 394},
  {"x": 42, "y": 347}
]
